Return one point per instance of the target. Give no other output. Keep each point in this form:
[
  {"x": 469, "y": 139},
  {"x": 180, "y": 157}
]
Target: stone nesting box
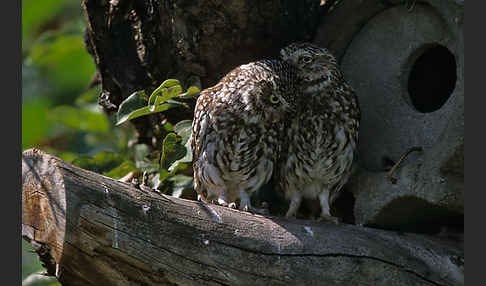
[{"x": 405, "y": 60}]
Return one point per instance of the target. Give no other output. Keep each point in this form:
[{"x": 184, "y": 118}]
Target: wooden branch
[{"x": 93, "y": 230}]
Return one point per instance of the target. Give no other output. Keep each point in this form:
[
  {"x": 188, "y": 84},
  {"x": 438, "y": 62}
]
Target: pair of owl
[{"x": 293, "y": 118}]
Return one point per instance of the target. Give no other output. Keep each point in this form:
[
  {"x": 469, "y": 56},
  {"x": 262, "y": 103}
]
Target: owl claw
[
  {"x": 221, "y": 202},
  {"x": 253, "y": 210}
]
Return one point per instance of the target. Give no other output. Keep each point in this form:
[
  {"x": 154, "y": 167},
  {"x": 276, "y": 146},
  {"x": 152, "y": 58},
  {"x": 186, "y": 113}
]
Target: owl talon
[
  {"x": 294, "y": 206},
  {"x": 221, "y": 202},
  {"x": 246, "y": 209}
]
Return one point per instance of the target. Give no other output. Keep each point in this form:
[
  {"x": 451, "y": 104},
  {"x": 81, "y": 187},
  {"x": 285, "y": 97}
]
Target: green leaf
[
  {"x": 67, "y": 156},
  {"x": 30, "y": 260},
  {"x": 90, "y": 120},
  {"x": 141, "y": 151},
  {"x": 162, "y": 176},
  {"x": 144, "y": 160},
  {"x": 39, "y": 279},
  {"x": 166, "y": 84},
  {"x": 166, "y": 175},
  {"x": 183, "y": 128},
  {"x": 158, "y": 100},
  {"x": 120, "y": 171},
  {"x": 135, "y": 106},
  {"x": 164, "y": 95},
  {"x": 180, "y": 183},
  {"x": 64, "y": 59},
  {"x": 90, "y": 96},
  {"x": 144, "y": 111},
  {"x": 172, "y": 150},
  {"x": 102, "y": 162},
  {"x": 33, "y": 15},
  {"x": 155, "y": 98},
  {"x": 168, "y": 127},
  {"x": 161, "y": 94},
  {"x": 182, "y": 162},
  {"x": 127, "y": 109},
  {"x": 191, "y": 92},
  {"x": 35, "y": 122},
  {"x": 173, "y": 92}
]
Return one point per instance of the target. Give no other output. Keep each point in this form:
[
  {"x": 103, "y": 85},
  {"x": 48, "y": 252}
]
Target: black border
[
  {"x": 11, "y": 120},
  {"x": 474, "y": 154}
]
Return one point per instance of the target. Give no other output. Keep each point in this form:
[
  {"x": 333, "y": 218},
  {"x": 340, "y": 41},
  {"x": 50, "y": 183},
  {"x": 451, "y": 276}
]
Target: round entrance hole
[{"x": 432, "y": 79}]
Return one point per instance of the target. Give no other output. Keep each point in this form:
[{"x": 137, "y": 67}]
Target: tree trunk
[{"x": 89, "y": 229}]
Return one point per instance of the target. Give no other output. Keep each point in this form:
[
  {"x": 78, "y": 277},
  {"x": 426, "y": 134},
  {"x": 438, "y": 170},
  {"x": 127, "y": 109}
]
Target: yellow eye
[
  {"x": 274, "y": 99},
  {"x": 307, "y": 59}
]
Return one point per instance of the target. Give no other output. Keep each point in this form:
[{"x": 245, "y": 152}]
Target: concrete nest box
[{"x": 405, "y": 59}]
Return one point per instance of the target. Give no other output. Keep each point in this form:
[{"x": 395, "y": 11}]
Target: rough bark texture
[
  {"x": 92, "y": 230},
  {"x": 138, "y": 44}
]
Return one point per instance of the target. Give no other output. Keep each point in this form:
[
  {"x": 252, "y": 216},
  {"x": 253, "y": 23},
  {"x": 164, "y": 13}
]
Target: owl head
[
  {"x": 313, "y": 62},
  {"x": 276, "y": 90}
]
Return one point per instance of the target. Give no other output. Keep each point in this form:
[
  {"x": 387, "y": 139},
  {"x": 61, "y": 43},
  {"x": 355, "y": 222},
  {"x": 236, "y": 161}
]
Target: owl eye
[
  {"x": 274, "y": 99},
  {"x": 307, "y": 59}
]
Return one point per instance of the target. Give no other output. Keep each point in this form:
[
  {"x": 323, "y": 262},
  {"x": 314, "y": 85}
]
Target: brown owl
[
  {"x": 320, "y": 142},
  {"x": 237, "y": 128}
]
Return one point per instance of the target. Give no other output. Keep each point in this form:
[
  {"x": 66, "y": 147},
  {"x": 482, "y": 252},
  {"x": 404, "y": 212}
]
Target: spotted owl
[
  {"x": 236, "y": 131},
  {"x": 320, "y": 142}
]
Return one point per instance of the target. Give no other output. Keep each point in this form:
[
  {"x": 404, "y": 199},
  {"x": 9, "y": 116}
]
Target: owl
[
  {"x": 236, "y": 131},
  {"x": 320, "y": 141}
]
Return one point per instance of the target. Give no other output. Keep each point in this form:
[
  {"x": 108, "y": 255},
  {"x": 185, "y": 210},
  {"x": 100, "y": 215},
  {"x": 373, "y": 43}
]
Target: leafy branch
[
  {"x": 161, "y": 99},
  {"x": 175, "y": 156}
]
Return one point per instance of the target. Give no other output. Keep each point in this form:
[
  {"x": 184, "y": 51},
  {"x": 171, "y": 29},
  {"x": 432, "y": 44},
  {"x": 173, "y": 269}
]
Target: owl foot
[
  {"x": 221, "y": 202},
  {"x": 248, "y": 208},
  {"x": 294, "y": 206},
  {"x": 245, "y": 204},
  {"x": 329, "y": 218}
]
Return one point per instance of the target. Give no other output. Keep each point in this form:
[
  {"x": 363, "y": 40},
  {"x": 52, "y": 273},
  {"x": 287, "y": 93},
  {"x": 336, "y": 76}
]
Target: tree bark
[{"x": 89, "y": 229}]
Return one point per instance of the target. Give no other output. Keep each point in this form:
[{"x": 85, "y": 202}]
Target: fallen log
[{"x": 89, "y": 229}]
